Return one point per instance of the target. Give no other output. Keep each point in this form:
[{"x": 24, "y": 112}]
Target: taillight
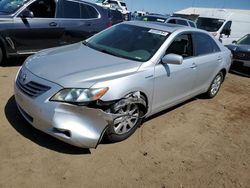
[{"x": 109, "y": 24}]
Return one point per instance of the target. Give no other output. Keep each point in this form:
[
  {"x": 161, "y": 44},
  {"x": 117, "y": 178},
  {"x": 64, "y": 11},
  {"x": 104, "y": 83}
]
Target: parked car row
[{"x": 29, "y": 26}]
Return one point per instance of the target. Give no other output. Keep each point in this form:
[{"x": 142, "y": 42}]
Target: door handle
[
  {"x": 193, "y": 65},
  {"x": 52, "y": 24},
  {"x": 219, "y": 58}
]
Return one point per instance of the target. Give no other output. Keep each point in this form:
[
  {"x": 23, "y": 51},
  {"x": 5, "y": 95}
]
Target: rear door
[
  {"x": 37, "y": 32},
  {"x": 175, "y": 83},
  {"x": 79, "y": 20},
  {"x": 208, "y": 59}
]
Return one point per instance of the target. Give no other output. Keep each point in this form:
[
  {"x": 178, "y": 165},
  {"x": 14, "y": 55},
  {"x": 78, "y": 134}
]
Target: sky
[{"x": 170, "y": 6}]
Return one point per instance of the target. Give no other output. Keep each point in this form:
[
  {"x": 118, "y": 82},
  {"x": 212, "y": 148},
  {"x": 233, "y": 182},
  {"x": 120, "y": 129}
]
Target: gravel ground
[{"x": 201, "y": 143}]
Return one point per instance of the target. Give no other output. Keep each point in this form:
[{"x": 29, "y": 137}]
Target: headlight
[{"x": 79, "y": 95}]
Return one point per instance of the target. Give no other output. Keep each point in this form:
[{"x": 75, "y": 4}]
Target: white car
[{"x": 114, "y": 4}]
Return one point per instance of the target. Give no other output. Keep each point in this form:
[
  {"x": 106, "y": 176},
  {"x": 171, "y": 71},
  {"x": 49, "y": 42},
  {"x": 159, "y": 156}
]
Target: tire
[
  {"x": 2, "y": 56},
  {"x": 215, "y": 86},
  {"x": 124, "y": 127}
]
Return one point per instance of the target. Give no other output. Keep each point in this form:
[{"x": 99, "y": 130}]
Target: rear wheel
[
  {"x": 126, "y": 124},
  {"x": 215, "y": 85}
]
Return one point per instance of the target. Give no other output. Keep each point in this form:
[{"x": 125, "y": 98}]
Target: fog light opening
[{"x": 62, "y": 131}]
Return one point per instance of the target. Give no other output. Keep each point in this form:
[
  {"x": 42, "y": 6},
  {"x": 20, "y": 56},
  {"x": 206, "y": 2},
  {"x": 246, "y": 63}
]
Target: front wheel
[
  {"x": 2, "y": 57},
  {"x": 126, "y": 124},
  {"x": 215, "y": 86}
]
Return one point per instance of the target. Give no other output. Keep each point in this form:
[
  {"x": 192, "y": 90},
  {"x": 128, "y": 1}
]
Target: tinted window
[
  {"x": 244, "y": 40},
  {"x": 191, "y": 24},
  {"x": 209, "y": 24},
  {"x": 182, "y": 22},
  {"x": 153, "y": 19},
  {"x": 43, "y": 8},
  {"x": 182, "y": 45},
  {"x": 88, "y": 12},
  {"x": 123, "y": 4},
  {"x": 204, "y": 44},
  {"x": 173, "y": 21},
  {"x": 71, "y": 9}
]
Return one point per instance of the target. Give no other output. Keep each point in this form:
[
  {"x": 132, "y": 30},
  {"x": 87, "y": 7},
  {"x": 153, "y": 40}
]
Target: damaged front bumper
[{"x": 77, "y": 125}]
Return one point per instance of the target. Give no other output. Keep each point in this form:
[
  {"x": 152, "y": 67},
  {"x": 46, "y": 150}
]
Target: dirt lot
[{"x": 201, "y": 143}]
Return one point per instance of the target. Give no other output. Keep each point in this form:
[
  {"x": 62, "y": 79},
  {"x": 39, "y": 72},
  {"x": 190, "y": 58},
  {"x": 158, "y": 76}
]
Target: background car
[
  {"x": 32, "y": 25},
  {"x": 168, "y": 19},
  {"x": 107, "y": 84},
  {"x": 241, "y": 55}
]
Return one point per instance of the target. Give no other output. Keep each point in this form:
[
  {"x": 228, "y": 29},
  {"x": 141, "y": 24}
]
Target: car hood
[
  {"x": 240, "y": 48},
  {"x": 78, "y": 66}
]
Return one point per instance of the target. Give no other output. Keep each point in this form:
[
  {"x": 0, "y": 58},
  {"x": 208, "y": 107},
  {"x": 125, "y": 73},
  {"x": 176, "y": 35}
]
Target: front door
[
  {"x": 42, "y": 30},
  {"x": 174, "y": 83}
]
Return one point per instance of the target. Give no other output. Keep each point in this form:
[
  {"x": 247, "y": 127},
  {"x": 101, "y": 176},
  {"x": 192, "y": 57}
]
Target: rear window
[
  {"x": 181, "y": 22},
  {"x": 191, "y": 24},
  {"x": 153, "y": 19},
  {"x": 123, "y": 4}
]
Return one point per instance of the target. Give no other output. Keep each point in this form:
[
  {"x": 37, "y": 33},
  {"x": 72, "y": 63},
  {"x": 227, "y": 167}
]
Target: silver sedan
[{"x": 106, "y": 85}]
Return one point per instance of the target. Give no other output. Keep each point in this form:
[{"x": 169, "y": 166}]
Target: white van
[{"x": 225, "y": 25}]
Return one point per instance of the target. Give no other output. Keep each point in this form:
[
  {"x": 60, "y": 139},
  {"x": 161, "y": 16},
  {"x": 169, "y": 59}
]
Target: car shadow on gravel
[
  {"x": 14, "y": 61},
  {"x": 24, "y": 128}
]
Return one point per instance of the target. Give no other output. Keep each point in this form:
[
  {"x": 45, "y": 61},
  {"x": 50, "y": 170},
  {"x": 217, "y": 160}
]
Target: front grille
[
  {"x": 32, "y": 89},
  {"x": 242, "y": 55}
]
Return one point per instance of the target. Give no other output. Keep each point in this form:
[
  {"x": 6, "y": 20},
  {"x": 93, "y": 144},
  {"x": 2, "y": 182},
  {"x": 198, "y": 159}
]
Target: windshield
[
  {"x": 209, "y": 24},
  {"x": 10, "y": 6},
  {"x": 153, "y": 19},
  {"x": 244, "y": 40},
  {"x": 128, "y": 41}
]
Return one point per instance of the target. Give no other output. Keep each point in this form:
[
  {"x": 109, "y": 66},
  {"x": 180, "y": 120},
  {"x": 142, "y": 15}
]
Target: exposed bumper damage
[{"x": 81, "y": 126}]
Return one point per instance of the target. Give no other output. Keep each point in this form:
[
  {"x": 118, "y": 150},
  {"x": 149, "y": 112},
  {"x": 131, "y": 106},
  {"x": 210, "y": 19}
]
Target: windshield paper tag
[{"x": 158, "y": 32}]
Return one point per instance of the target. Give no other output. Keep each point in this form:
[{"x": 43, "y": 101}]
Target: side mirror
[
  {"x": 27, "y": 14},
  {"x": 172, "y": 59},
  {"x": 234, "y": 42},
  {"x": 226, "y": 32}
]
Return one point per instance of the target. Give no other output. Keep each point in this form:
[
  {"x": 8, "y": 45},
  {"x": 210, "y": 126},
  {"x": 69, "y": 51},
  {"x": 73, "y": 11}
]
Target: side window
[
  {"x": 172, "y": 21},
  {"x": 71, "y": 9},
  {"x": 182, "y": 22},
  {"x": 204, "y": 44},
  {"x": 43, "y": 8},
  {"x": 191, "y": 24},
  {"x": 88, "y": 12},
  {"x": 227, "y": 25},
  {"x": 182, "y": 45}
]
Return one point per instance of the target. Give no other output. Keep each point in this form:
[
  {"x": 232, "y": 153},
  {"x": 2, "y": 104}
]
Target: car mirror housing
[
  {"x": 234, "y": 42},
  {"x": 172, "y": 59},
  {"x": 27, "y": 14}
]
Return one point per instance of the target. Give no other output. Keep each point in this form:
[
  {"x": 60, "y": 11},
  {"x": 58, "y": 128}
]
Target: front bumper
[
  {"x": 241, "y": 67},
  {"x": 77, "y": 125}
]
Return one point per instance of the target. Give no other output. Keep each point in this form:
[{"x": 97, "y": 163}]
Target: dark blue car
[
  {"x": 241, "y": 55},
  {"x": 27, "y": 26}
]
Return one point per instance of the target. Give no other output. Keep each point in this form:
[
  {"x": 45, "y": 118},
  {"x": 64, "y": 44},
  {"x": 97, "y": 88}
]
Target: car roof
[{"x": 162, "y": 26}]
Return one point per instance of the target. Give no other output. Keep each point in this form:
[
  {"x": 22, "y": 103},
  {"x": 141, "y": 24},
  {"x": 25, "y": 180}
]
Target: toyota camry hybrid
[{"x": 106, "y": 85}]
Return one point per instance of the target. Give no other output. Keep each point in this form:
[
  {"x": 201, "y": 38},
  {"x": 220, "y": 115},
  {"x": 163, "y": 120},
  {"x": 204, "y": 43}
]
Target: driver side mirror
[
  {"x": 172, "y": 59},
  {"x": 234, "y": 42},
  {"x": 26, "y": 14}
]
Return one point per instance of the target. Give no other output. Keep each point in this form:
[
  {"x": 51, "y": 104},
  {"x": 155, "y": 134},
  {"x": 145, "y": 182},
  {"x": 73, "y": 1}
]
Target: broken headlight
[{"x": 75, "y": 95}]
